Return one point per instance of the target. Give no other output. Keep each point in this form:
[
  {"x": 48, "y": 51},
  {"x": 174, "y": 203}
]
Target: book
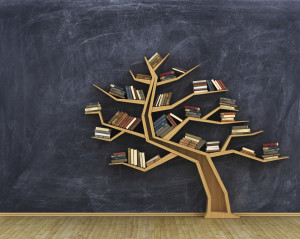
[
  {"x": 179, "y": 70},
  {"x": 270, "y": 144},
  {"x": 176, "y": 117}
]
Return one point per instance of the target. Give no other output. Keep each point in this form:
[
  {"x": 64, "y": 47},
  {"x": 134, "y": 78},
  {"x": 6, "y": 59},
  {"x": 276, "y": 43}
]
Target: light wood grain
[{"x": 148, "y": 227}]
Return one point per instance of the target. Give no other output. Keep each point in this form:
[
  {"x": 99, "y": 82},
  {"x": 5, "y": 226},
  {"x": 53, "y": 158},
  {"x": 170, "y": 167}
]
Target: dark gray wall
[{"x": 52, "y": 51}]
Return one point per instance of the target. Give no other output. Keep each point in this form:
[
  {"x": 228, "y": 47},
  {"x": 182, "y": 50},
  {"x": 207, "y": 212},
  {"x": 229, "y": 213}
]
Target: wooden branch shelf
[
  {"x": 232, "y": 151},
  {"x": 227, "y": 141},
  {"x": 141, "y": 102},
  {"x": 218, "y": 205},
  {"x": 115, "y": 127},
  {"x": 177, "y": 78},
  {"x": 169, "y": 107},
  {"x": 161, "y": 161},
  {"x": 111, "y": 139}
]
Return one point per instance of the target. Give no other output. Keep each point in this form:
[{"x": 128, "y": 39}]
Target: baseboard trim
[{"x": 130, "y": 214}]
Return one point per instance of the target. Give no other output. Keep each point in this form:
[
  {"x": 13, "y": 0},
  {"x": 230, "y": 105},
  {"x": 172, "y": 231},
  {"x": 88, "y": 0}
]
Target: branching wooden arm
[
  {"x": 232, "y": 151},
  {"x": 163, "y": 160}
]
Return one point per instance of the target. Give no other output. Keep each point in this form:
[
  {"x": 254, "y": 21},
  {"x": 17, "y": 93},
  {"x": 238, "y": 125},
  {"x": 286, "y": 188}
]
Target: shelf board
[
  {"x": 169, "y": 107},
  {"x": 141, "y": 102},
  {"x": 161, "y": 161},
  {"x": 140, "y": 80},
  {"x": 231, "y": 151},
  {"x": 215, "y": 110},
  {"x": 111, "y": 139},
  {"x": 177, "y": 78},
  {"x": 227, "y": 141}
]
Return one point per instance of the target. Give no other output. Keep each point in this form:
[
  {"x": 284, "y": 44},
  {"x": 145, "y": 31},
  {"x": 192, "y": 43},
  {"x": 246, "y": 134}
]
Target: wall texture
[{"x": 52, "y": 51}]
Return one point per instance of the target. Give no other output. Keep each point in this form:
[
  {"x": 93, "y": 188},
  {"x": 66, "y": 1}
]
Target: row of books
[
  {"x": 192, "y": 111},
  {"x": 135, "y": 157},
  {"x": 228, "y": 103},
  {"x": 163, "y": 99},
  {"x": 208, "y": 85},
  {"x": 175, "y": 72},
  {"x": 271, "y": 151},
  {"x": 227, "y": 116},
  {"x": 155, "y": 60},
  {"x": 103, "y": 133},
  {"x": 93, "y": 107},
  {"x": 240, "y": 129},
  {"x": 212, "y": 146},
  {"x": 125, "y": 121},
  {"x": 130, "y": 92},
  {"x": 192, "y": 141},
  {"x": 143, "y": 77},
  {"x": 165, "y": 123}
]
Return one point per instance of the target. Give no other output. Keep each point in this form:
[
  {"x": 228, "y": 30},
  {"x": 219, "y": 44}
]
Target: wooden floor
[{"x": 148, "y": 227}]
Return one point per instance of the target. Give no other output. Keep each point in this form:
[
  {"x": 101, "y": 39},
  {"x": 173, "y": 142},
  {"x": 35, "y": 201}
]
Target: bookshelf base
[{"x": 220, "y": 215}]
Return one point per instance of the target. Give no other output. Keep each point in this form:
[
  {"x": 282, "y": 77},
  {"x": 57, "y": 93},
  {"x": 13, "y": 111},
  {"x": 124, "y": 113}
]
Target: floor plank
[{"x": 148, "y": 227}]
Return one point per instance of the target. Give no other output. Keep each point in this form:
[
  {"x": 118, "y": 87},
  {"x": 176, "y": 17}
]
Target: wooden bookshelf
[
  {"x": 141, "y": 102},
  {"x": 169, "y": 107},
  {"x": 218, "y": 205},
  {"x": 161, "y": 161}
]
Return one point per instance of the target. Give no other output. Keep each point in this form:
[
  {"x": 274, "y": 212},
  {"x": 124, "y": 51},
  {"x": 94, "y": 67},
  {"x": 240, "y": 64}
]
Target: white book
[
  {"x": 200, "y": 91},
  {"x": 217, "y": 84},
  {"x": 200, "y": 87},
  {"x": 152, "y": 159},
  {"x": 199, "y": 81},
  {"x": 138, "y": 94},
  {"x": 159, "y": 99},
  {"x": 190, "y": 138},
  {"x": 132, "y": 121},
  {"x": 176, "y": 117},
  {"x": 102, "y": 134},
  {"x": 132, "y": 92},
  {"x": 131, "y": 156}
]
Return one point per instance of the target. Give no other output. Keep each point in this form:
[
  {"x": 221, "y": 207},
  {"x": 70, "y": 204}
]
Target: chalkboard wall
[{"x": 52, "y": 51}]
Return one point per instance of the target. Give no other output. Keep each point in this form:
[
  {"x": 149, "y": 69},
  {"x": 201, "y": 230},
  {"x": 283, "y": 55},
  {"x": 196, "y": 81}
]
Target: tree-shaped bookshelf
[{"x": 218, "y": 205}]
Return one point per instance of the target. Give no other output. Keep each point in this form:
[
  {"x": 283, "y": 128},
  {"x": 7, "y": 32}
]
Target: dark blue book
[
  {"x": 128, "y": 92},
  {"x": 163, "y": 117},
  {"x": 210, "y": 86},
  {"x": 160, "y": 126}
]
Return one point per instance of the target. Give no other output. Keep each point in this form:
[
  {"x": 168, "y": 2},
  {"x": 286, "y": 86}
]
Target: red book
[
  {"x": 122, "y": 120},
  {"x": 171, "y": 120},
  {"x": 270, "y": 145},
  {"x": 191, "y": 107},
  {"x": 125, "y": 121},
  {"x": 167, "y": 73},
  {"x": 222, "y": 85},
  {"x": 119, "y": 153},
  {"x": 128, "y": 122}
]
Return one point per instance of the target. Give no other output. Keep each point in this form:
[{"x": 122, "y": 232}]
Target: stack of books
[
  {"x": 163, "y": 99},
  {"x": 167, "y": 75},
  {"x": 117, "y": 91},
  {"x": 271, "y": 151},
  {"x": 125, "y": 121},
  {"x": 179, "y": 71},
  {"x": 143, "y": 77},
  {"x": 161, "y": 125},
  {"x": 136, "y": 158},
  {"x": 155, "y": 60},
  {"x": 218, "y": 84},
  {"x": 228, "y": 103},
  {"x": 153, "y": 160},
  {"x": 212, "y": 146},
  {"x": 248, "y": 151},
  {"x": 191, "y": 111},
  {"x": 103, "y": 133},
  {"x": 93, "y": 107},
  {"x": 241, "y": 129},
  {"x": 192, "y": 141},
  {"x": 200, "y": 86},
  {"x": 227, "y": 116},
  {"x": 119, "y": 157},
  {"x": 134, "y": 94}
]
